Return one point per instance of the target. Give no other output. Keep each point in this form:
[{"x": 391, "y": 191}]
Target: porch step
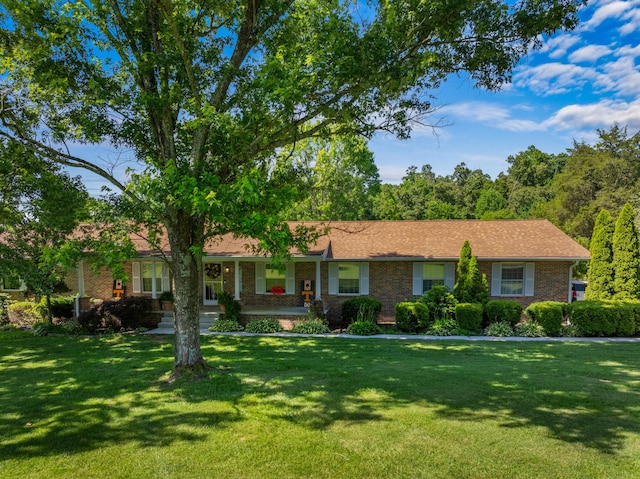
[{"x": 206, "y": 320}]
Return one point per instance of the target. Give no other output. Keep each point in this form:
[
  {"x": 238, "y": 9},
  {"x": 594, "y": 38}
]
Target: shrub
[
  {"x": 606, "y": 318},
  {"x": 571, "y": 331},
  {"x": 469, "y": 316},
  {"x": 355, "y": 309},
  {"x": 548, "y": 314},
  {"x": 411, "y": 316},
  {"x": 499, "y": 328},
  {"x": 5, "y": 302},
  {"x": 129, "y": 313},
  {"x": 62, "y": 307},
  {"x": 443, "y": 327},
  {"x": 315, "y": 326},
  {"x": 232, "y": 309},
  {"x": 263, "y": 326},
  {"x": 23, "y": 313},
  {"x": 166, "y": 296},
  {"x": 530, "y": 329},
  {"x": 440, "y": 302},
  {"x": 502, "y": 310},
  {"x": 363, "y": 328},
  {"x": 225, "y": 326}
]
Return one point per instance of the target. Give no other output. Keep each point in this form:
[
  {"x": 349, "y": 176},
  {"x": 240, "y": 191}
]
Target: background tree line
[{"x": 339, "y": 181}]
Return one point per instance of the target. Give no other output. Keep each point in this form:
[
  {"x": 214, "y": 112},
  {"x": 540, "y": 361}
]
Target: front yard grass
[{"x": 318, "y": 408}]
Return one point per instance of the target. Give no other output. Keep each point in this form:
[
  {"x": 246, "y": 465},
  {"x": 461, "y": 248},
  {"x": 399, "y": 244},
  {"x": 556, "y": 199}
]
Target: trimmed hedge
[
  {"x": 549, "y": 315},
  {"x": 503, "y": 310},
  {"x": 411, "y": 316},
  {"x": 23, "y": 313},
  {"x": 62, "y": 307},
  {"x": 606, "y": 318},
  {"x": 370, "y": 308},
  {"x": 469, "y": 316}
]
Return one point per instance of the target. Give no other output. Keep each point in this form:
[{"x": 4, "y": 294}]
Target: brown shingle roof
[{"x": 370, "y": 240}]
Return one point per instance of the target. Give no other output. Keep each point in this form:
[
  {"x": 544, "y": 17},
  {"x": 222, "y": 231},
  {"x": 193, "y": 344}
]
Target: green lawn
[{"x": 318, "y": 408}]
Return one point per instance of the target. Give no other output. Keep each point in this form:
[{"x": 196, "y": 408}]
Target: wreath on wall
[{"x": 213, "y": 270}]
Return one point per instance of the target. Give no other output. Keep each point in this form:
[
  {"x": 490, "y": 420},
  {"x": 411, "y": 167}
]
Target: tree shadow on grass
[
  {"x": 579, "y": 392},
  {"x": 65, "y": 395},
  {"x": 68, "y": 395}
]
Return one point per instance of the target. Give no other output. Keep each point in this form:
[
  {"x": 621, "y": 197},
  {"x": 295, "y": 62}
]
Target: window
[
  {"x": 274, "y": 277},
  {"x": 512, "y": 279},
  {"x": 432, "y": 274},
  {"x": 10, "y": 282},
  {"x": 426, "y": 275},
  {"x": 268, "y": 276},
  {"x": 512, "y": 282},
  {"x": 148, "y": 276},
  {"x": 349, "y": 278}
]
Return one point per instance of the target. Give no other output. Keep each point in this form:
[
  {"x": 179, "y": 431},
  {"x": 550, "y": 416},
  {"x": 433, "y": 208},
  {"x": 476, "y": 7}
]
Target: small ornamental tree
[
  {"x": 471, "y": 287},
  {"x": 626, "y": 256},
  {"x": 460, "y": 290},
  {"x": 600, "y": 276}
]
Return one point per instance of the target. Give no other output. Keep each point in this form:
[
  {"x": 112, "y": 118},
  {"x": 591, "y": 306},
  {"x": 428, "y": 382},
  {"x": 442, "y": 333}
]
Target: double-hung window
[
  {"x": 512, "y": 279},
  {"x": 150, "y": 277},
  {"x": 426, "y": 275},
  {"x": 270, "y": 280},
  {"x": 349, "y": 278},
  {"x": 151, "y": 272}
]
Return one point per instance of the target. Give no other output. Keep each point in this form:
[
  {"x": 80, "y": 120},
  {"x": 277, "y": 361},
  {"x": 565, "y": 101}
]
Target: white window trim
[
  {"x": 136, "y": 273},
  {"x": 449, "y": 276},
  {"x": 528, "y": 287},
  {"x": 261, "y": 278},
  {"x": 22, "y": 287},
  {"x": 334, "y": 283}
]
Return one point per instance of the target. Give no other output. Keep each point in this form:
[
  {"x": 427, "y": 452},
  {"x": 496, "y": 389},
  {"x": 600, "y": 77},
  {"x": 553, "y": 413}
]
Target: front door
[{"x": 212, "y": 282}]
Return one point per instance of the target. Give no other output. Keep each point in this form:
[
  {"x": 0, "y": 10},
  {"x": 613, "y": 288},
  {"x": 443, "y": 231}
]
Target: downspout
[{"x": 570, "y": 295}]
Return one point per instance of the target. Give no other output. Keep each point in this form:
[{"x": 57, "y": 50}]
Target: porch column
[
  {"x": 236, "y": 280},
  {"x": 318, "y": 281}
]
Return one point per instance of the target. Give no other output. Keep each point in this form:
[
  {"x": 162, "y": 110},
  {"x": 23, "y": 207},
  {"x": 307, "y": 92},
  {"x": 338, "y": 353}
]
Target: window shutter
[
  {"x": 496, "y": 279},
  {"x": 260, "y": 278},
  {"x": 449, "y": 275},
  {"x": 529, "y": 274},
  {"x": 418, "y": 288},
  {"x": 333, "y": 278},
  {"x": 364, "y": 279},
  {"x": 166, "y": 282},
  {"x": 291, "y": 278},
  {"x": 137, "y": 281}
]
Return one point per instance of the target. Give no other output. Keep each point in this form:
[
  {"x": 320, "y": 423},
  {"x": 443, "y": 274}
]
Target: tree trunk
[
  {"x": 185, "y": 233},
  {"x": 49, "y": 314}
]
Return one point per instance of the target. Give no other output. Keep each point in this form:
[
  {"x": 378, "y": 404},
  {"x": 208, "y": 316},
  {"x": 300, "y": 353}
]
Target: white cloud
[
  {"x": 590, "y": 53},
  {"x": 555, "y": 78},
  {"x": 616, "y": 9},
  {"x": 557, "y": 47},
  {"x": 632, "y": 21},
  {"x": 597, "y": 115},
  {"x": 492, "y": 115}
]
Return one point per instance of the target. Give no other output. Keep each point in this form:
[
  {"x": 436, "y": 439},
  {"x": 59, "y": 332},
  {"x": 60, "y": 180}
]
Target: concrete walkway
[{"x": 410, "y": 337}]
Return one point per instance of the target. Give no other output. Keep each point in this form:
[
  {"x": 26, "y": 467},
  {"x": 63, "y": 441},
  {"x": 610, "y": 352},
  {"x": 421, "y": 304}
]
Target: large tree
[
  {"x": 208, "y": 94},
  {"x": 40, "y": 207}
]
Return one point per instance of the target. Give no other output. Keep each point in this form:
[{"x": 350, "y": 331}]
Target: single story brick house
[{"x": 524, "y": 260}]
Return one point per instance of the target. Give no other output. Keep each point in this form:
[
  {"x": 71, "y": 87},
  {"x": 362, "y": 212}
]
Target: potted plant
[
  {"x": 224, "y": 299},
  {"x": 166, "y": 300}
]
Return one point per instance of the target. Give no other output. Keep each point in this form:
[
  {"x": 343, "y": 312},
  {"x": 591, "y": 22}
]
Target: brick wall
[{"x": 248, "y": 296}]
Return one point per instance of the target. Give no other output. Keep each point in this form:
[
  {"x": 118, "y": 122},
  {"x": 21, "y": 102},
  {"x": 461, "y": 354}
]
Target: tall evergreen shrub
[
  {"x": 460, "y": 290},
  {"x": 626, "y": 256},
  {"x": 601, "y": 273}
]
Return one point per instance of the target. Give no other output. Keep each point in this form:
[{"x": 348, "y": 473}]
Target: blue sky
[
  {"x": 575, "y": 84},
  {"x": 578, "y": 82}
]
